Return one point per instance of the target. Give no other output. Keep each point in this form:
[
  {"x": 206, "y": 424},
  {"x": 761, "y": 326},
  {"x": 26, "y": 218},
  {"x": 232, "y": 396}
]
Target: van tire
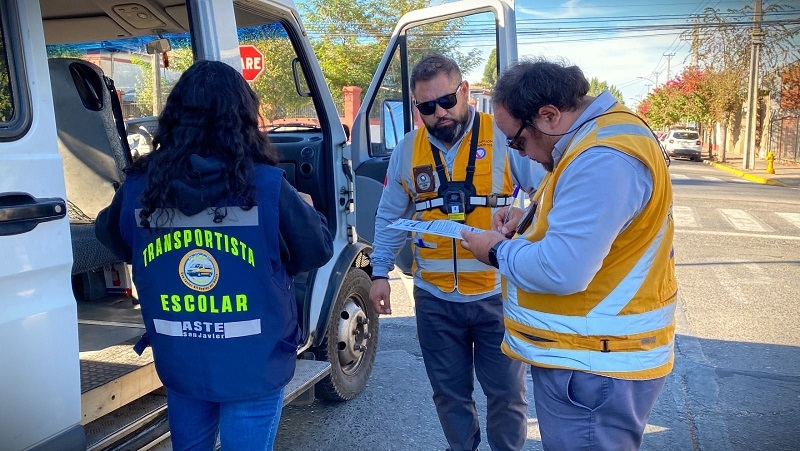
[{"x": 346, "y": 331}]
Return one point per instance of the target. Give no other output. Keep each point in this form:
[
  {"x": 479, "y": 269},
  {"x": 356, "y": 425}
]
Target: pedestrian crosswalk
[
  {"x": 794, "y": 218},
  {"x": 733, "y": 220},
  {"x": 708, "y": 178},
  {"x": 742, "y": 220}
]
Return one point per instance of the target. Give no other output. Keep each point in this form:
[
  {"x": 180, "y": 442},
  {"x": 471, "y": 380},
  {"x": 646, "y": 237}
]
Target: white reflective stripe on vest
[
  {"x": 235, "y": 217},
  {"x": 428, "y": 204},
  {"x": 603, "y": 319},
  {"x": 500, "y": 201},
  {"x": 604, "y": 362},
  {"x": 468, "y": 265},
  {"x": 232, "y": 329},
  {"x": 580, "y": 325},
  {"x": 622, "y": 294}
]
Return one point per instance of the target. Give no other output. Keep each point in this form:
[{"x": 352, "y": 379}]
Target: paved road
[{"x": 736, "y": 384}]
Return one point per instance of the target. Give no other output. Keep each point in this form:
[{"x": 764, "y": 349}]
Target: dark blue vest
[{"x": 217, "y": 303}]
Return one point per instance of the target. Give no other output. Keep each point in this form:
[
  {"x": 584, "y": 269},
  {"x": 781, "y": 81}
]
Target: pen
[{"x": 513, "y": 199}]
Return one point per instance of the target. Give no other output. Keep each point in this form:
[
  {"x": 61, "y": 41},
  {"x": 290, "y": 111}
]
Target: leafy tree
[
  {"x": 490, "y": 71},
  {"x": 350, "y": 37},
  {"x": 180, "y": 58},
  {"x": 64, "y": 51},
  {"x": 275, "y": 86},
  {"x": 722, "y": 46},
  {"x": 596, "y": 87},
  {"x": 6, "y": 104}
]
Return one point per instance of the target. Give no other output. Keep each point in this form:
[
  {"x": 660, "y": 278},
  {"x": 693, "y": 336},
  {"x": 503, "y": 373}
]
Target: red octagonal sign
[{"x": 252, "y": 62}]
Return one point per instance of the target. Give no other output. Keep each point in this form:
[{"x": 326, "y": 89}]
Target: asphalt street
[{"x": 736, "y": 382}]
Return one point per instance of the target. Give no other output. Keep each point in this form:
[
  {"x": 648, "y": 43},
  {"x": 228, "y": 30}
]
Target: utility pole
[
  {"x": 749, "y": 157},
  {"x": 669, "y": 60}
]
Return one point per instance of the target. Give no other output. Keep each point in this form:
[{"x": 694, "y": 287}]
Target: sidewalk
[{"x": 785, "y": 174}]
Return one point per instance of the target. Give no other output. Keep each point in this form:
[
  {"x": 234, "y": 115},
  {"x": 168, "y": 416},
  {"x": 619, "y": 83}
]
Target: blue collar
[{"x": 599, "y": 105}]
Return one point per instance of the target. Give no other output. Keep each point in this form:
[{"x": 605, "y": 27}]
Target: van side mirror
[{"x": 158, "y": 46}]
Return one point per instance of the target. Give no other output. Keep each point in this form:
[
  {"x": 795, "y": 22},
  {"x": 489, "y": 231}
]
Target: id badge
[{"x": 456, "y": 207}]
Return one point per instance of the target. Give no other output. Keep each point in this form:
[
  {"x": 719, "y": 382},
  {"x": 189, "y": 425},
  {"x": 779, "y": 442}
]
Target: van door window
[
  {"x": 274, "y": 69},
  {"x": 142, "y": 80},
  {"x": 268, "y": 64},
  {"x": 6, "y": 94},
  {"x": 15, "y": 115},
  {"x": 467, "y": 40}
]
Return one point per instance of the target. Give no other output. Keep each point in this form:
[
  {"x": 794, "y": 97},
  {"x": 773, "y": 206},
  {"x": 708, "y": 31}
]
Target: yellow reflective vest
[
  {"x": 441, "y": 260},
  {"x": 623, "y": 324}
]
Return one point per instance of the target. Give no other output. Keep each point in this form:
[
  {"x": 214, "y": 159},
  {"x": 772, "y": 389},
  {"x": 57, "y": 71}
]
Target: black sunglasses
[
  {"x": 446, "y": 102},
  {"x": 514, "y": 143}
]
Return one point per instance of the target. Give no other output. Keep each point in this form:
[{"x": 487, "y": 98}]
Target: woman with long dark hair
[{"x": 215, "y": 234}]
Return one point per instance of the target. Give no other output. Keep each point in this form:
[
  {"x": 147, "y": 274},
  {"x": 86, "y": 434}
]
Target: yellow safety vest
[
  {"x": 441, "y": 260},
  {"x": 622, "y": 325}
]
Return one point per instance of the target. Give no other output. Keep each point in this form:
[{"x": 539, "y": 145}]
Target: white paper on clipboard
[{"x": 441, "y": 227}]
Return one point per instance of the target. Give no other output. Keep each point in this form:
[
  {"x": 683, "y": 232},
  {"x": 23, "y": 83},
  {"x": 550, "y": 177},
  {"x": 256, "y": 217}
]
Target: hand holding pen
[{"x": 506, "y": 219}]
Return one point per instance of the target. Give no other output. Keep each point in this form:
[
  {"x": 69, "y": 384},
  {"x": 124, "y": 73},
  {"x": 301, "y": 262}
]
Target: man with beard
[
  {"x": 456, "y": 167},
  {"x": 590, "y": 287}
]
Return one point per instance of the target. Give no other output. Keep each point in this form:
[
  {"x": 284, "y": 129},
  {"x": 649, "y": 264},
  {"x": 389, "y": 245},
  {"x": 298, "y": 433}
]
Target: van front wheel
[{"x": 351, "y": 340}]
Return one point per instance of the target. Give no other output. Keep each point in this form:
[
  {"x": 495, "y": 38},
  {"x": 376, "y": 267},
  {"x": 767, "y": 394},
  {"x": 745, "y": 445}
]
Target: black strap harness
[{"x": 456, "y": 199}]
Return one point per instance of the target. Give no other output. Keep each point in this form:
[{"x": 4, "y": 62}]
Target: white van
[{"x": 77, "y": 77}]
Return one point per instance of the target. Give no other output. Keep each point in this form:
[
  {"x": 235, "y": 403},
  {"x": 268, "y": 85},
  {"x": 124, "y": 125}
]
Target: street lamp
[
  {"x": 650, "y": 80},
  {"x": 655, "y": 83}
]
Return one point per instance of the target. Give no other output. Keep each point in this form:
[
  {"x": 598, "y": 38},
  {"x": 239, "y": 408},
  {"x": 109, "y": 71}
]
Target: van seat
[{"x": 92, "y": 150}]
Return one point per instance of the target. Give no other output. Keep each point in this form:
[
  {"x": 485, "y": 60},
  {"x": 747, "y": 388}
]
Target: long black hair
[{"x": 211, "y": 112}]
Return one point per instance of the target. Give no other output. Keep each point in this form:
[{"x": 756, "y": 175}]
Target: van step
[
  {"x": 146, "y": 416},
  {"x": 306, "y": 374},
  {"x": 156, "y": 436},
  {"x": 113, "y": 377}
]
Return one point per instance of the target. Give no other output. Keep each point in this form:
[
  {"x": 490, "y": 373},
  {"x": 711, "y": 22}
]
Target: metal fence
[{"x": 784, "y": 138}]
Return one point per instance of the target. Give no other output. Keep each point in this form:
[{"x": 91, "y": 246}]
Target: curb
[{"x": 743, "y": 174}]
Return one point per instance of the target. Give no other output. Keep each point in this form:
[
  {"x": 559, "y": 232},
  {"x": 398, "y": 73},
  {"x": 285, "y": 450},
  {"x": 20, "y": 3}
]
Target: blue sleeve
[
  {"x": 595, "y": 198},
  {"x": 394, "y": 204},
  {"x": 305, "y": 240},
  {"x": 107, "y": 228}
]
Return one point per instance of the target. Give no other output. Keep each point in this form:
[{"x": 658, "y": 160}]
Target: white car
[{"x": 683, "y": 143}]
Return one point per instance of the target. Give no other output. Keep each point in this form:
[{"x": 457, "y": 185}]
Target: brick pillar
[{"x": 352, "y": 101}]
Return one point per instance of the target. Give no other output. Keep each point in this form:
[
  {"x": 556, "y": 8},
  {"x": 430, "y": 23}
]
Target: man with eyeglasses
[
  {"x": 456, "y": 167},
  {"x": 590, "y": 288}
]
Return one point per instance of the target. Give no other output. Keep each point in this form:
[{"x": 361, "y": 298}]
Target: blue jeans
[
  {"x": 459, "y": 341},
  {"x": 243, "y": 425}
]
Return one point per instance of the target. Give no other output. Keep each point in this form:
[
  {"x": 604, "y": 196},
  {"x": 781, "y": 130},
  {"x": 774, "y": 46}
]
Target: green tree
[
  {"x": 350, "y": 37},
  {"x": 6, "y": 104},
  {"x": 64, "y": 51},
  {"x": 180, "y": 58},
  {"x": 597, "y": 87},
  {"x": 490, "y": 71},
  {"x": 275, "y": 86}
]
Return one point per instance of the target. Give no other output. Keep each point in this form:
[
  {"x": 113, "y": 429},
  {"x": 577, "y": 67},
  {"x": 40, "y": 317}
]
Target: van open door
[
  {"x": 466, "y": 31},
  {"x": 38, "y": 317}
]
